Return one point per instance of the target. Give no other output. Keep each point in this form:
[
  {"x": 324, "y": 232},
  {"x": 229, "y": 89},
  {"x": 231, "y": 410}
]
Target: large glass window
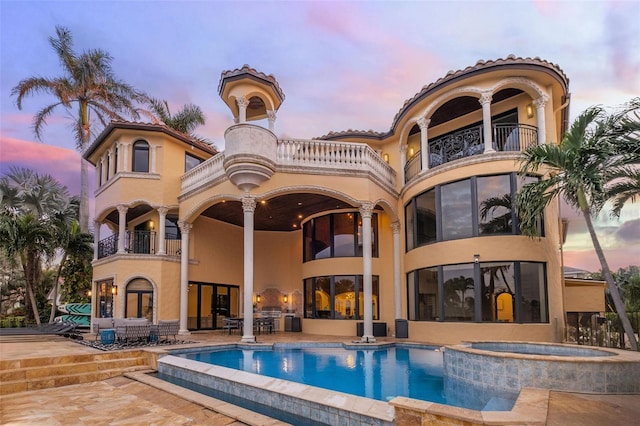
[
  {"x": 106, "y": 295},
  {"x": 533, "y": 293},
  {"x": 482, "y": 205},
  {"x": 423, "y": 294},
  {"x": 426, "y": 217},
  {"x": 343, "y": 235},
  {"x": 523, "y": 180},
  {"x": 480, "y": 292},
  {"x": 458, "y": 291},
  {"x": 191, "y": 161},
  {"x": 498, "y": 291},
  {"x": 456, "y": 210},
  {"x": 495, "y": 205},
  {"x": 337, "y": 235},
  {"x": 339, "y": 297},
  {"x": 140, "y": 156}
]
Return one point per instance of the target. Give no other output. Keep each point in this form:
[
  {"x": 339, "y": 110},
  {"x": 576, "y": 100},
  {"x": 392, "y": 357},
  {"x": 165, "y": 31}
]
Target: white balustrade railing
[
  {"x": 334, "y": 155},
  {"x": 203, "y": 173},
  {"x": 305, "y": 153}
]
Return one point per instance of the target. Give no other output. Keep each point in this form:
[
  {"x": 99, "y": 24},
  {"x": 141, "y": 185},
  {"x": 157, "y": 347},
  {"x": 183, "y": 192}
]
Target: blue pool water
[{"x": 381, "y": 374}]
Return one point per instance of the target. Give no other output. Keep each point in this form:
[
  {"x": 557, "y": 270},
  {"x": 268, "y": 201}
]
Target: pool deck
[{"x": 124, "y": 401}]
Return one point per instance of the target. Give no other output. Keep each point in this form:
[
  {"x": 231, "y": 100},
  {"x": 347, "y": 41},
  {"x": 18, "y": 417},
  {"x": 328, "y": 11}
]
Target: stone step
[
  {"x": 36, "y": 372},
  {"x": 47, "y": 372},
  {"x": 14, "y": 386},
  {"x": 12, "y": 364}
]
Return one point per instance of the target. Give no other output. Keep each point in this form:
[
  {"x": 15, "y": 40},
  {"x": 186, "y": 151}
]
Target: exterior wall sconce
[
  {"x": 151, "y": 225},
  {"x": 257, "y": 298},
  {"x": 476, "y": 258},
  {"x": 385, "y": 156},
  {"x": 114, "y": 290},
  {"x": 411, "y": 152},
  {"x": 285, "y": 299},
  {"x": 529, "y": 109},
  {"x": 88, "y": 293}
]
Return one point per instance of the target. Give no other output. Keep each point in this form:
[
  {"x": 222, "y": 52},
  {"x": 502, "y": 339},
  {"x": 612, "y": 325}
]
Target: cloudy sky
[{"x": 342, "y": 65}]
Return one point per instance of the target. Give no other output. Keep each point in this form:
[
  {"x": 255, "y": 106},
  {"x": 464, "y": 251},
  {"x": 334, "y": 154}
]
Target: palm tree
[
  {"x": 25, "y": 190},
  {"x": 596, "y": 146},
  {"x": 89, "y": 86},
  {"x": 73, "y": 243},
  {"x": 37, "y": 216},
  {"x": 185, "y": 121},
  {"x": 25, "y": 238}
]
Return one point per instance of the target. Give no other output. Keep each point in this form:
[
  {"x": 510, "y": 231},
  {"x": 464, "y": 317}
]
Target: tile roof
[{"x": 450, "y": 76}]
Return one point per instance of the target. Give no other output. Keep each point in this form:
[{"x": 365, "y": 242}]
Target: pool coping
[
  {"x": 531, "y": 406},
  {"x": 308, "y": 396}
]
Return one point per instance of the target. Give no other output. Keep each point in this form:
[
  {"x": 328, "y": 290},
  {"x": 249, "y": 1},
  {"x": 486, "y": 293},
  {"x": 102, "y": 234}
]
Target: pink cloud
[
  {"x": 587, "y": 259},
  {"x": 61, "y": 163},
  {"x": 547, "y": 7},
  {"x": 334, "y": 18}
]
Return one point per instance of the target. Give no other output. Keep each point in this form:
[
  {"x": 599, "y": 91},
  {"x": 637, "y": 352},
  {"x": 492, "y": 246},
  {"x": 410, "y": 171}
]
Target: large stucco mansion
[{"x": 407, "y": 232}]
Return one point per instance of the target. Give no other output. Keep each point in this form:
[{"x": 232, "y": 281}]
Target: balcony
[
  {"x": 468, "y": 142},
  {"x": 137, "y": 242},
  {"x": 298, "y": 156}
]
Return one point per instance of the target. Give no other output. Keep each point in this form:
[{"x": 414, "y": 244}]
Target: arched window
[
  {"x": 140, "y": 156},
  {"x": 139, "y": 301}
]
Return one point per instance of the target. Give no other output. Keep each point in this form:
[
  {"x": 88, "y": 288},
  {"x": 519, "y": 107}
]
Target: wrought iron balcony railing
[{"x": 470, "y": 141}]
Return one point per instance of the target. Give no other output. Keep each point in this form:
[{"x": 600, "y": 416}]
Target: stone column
[
  {"x": 184, "y": 276},
  {"x": 248, "y": 207},
  {"x": 366, "y": 210},
  {"x": 122, "y": 227},
  {"x": 162, "y": 211},
  {"x": 485, "y": 101},
  {"x": 152, "y": 161},
  {"x": 96, "y": 239},
  {"x": 423, "y": 123},
  {"x": 271, "y": 116},
  {"x": 540, "y": 118},
  {"x": 397, "y": 293},
  {"x": 104, "y": 172},
  {"x": 126, "y": 165},
  {"x": 112, "y": 161},
  {"x": 243, "y": 103}
]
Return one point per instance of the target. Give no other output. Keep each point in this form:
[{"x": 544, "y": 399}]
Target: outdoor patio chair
[
  {"x": 166, "y": 328},
  {"x": 131, "y": 333}
]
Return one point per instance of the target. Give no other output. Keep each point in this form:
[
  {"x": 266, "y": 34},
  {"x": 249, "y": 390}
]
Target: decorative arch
[{"x": 126, "y": 291}]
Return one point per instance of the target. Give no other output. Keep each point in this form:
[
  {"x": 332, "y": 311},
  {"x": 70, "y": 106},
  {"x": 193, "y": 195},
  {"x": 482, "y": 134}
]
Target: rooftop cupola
[
  {"x": 250, "y": 95},
  {"x": 250, "y": 150}
]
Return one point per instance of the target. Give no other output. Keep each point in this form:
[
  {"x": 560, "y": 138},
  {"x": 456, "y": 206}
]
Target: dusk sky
[{"x": 342, "y": 65}]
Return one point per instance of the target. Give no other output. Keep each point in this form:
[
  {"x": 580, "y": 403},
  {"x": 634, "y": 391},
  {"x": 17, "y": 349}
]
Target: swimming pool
[
  {"x": 325, "y": 383},
  {"x": 381, "y": 374}
]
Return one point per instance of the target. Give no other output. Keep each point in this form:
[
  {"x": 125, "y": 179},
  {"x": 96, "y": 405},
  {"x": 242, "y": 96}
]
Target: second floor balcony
[
  {"x": 300, "y": 156},
  {"x": 137, "y": 242},
  {"x": 469, "y": 142}
]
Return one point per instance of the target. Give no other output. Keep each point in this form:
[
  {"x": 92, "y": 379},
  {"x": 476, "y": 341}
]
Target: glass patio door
[{"x": 209, "y": 304}]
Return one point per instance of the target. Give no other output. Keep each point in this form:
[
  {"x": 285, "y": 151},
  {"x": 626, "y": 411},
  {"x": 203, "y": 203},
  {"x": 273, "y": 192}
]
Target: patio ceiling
[{"x": 282, "y": 213}]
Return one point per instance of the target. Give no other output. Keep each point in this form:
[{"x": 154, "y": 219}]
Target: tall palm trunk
[
  {"x": 613, "y": 289},
  {"x": 84, "y": 173},
  {"x": 29, "y": 265}
]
